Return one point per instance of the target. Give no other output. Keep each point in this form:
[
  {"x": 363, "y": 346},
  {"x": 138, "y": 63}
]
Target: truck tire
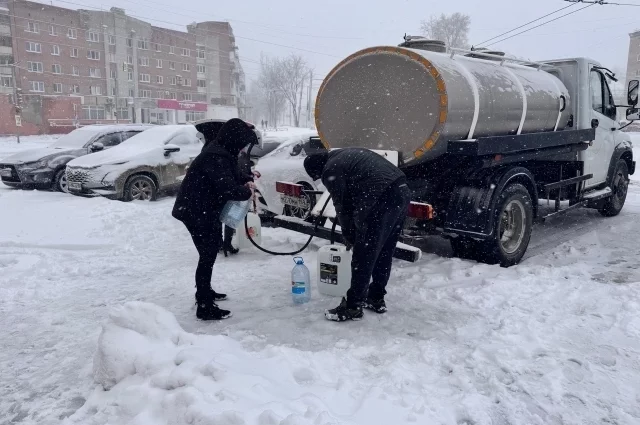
[
  {"x": 512, "y": 228},
  {"x": 619, "y": 186}
]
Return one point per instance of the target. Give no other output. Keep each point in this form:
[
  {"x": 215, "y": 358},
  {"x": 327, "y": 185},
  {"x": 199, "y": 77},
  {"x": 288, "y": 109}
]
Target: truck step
[{"x": 598, "y": 194}]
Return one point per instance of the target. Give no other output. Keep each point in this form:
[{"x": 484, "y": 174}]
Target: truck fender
[
  {"x": 471, "y": 209},
  {"x": 622, "y": 151}
]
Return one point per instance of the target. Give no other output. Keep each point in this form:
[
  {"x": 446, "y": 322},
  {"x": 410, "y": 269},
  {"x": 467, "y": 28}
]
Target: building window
[
  {"x": 95, "y": 90},
  {"x": 172, "y": 50},
  {"x": 186, "y": 67},
  {"x": 6, "y": 81},
  {"x": 194, "y": 115},
  {"x": 174, "y": 81},
  {"x": 187, "y": 82},
  {"x": 52, "y": 30},
  {"x": 131, "y": 92},
  {"x": 200, "y": 52},
  {"x": 112, "y": 57},
  {"x": 37, "y": 86},
  {"x": 113, "y": 91},
  {"x": 145, "y": 78},
  {"x": 33, "y": 27},
  {"x": 92, "y": 112},
  {"x": 202, "y": 83},
  {"x": 159, "y": 94},
  {"x": 172, "y": 66},
  {"x": 93, "y": 55},
  {"x": 75, "y": 70},
  {"x": 156, "y": 47},
  {"x": 114, "y": 74},
  {"x": 158, "y": 63},
  {"x": 129, "y": 42},
  {"x": 201, "y": 69},
  {"x": 143, "y": 44},
  {"x": 123, "y": 113},
  {"x": 74, "y": 52},
  {"x": 143, "y": 61},
  {"x": 34, "y": 67},
  {"x": 159, "y": 79},
  {"x": 57, "y": 88},
  {"x": 72, "y": 33},
  {"x": 130, "y": 76},
  {"x": 200, "y": 97},
  {"x": 75, "y": 89},
  {"x": 145, "y": 93},
  {"x": 186, "y": 52},
  {"x": 33, "y": 47},
  {"x": 129, "y": 60},
  {"x": 93, "y": 37},
  {"x": 173, "y": 95},
  {"x": 112, "y": 40},
  {"x": 56, "y": 68},
  {"x": 187, "y": 97},
  {"x": 55, "y": 50},
  {"x": 95, "y": 73}
]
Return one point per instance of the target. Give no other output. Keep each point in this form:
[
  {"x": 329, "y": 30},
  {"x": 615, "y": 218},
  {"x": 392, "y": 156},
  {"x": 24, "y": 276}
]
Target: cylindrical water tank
[{"x": 415, "y": 101}]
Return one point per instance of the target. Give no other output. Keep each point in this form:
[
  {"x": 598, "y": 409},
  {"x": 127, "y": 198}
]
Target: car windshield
[
  {"x": 77, "y": 138},
  {"x": 158, "y": 136}
]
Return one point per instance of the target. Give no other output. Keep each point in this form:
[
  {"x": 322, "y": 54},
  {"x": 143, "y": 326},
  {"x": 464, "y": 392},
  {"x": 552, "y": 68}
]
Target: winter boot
[
  {"x": 344, "y": 312},
  {"x": 216, "y": 296},
  {"x": 210, "y": 311},
  {"x": 377, "y": 306}
]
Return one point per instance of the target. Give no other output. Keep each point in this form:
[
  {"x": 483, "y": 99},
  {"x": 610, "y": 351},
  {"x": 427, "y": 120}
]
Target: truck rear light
[
  {"x": 420, "y": 211},
  {"x": 289, "y": 189}
]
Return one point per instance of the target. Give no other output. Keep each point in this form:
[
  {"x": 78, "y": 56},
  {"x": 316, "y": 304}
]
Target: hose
[{"x": 318, "y": 219}]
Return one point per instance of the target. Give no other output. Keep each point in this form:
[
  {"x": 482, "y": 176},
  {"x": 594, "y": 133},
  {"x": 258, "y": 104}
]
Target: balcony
[
  {"x": 5, "y": 29},
  {"x": 6, "y": 50}
]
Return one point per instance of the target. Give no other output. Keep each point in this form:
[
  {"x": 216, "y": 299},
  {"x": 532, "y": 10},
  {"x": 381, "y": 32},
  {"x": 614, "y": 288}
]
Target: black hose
[{"x": 318, "y": 219}]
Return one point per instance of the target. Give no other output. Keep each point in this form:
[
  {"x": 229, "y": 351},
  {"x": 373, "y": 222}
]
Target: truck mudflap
[
  {"x": 403, "y": 251},
  {"x": 471, "y": 210}
]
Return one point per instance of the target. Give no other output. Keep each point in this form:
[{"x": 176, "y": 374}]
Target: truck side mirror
[
  {"x": 632, "y": 94},
  {"x": 633, "y": 114}
]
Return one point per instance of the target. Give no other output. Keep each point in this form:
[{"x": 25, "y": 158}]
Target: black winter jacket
[
  {"x": 213, "y": 178},
  {"x": 357, "y": 179}
]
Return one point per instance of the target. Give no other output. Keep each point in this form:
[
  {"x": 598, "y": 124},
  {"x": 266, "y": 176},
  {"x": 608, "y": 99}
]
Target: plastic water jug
[
  {"x": 234, "y": 212},
  {"x": 334, "y": 270},
  {"x": 255, "y": 231},
  {"x": 300, "y": 282}
]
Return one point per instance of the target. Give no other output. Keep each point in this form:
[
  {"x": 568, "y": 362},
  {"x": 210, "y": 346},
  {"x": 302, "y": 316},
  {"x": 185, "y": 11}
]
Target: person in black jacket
[
  {"x": 211, "y": 181},
  {"x": 371, "y": 198}
]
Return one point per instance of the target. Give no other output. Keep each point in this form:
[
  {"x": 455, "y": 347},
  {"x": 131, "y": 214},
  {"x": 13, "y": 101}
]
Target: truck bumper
[{"x": 402, "y": 252}]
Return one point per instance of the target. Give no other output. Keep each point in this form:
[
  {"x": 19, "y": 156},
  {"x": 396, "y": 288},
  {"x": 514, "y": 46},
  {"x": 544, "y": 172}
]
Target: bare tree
[
  {"x": 268, "y": 88},
  {"x": 284, "y": 78},
  {"x": 452, "y": 29}
]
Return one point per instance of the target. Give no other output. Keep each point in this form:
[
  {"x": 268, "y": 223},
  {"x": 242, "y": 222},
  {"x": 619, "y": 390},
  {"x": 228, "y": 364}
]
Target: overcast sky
[{"x": 327, "y": 31}]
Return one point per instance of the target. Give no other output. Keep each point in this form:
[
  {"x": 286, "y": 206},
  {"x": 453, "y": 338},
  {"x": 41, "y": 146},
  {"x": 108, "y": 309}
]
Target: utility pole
[
  {"x": 17, "y": 101},
  {"x": 309, "y": 98}
]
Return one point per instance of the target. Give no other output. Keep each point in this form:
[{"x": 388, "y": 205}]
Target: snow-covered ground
[{"x": 99, "y": 327}]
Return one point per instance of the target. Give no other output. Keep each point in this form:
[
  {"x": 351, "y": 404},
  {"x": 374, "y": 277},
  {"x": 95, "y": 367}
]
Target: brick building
[{"x": 117, "y": 66}]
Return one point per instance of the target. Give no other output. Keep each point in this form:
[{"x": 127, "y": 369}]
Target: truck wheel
[
  {"x": 513, "y": 225},
  {"x": 620, "y": 185},
  {"x": 60, "y": 182},
  {"x": 140, "y": 188}
]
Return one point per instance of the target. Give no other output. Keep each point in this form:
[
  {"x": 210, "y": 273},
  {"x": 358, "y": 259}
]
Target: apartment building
[{"x": 120, "y": 67}]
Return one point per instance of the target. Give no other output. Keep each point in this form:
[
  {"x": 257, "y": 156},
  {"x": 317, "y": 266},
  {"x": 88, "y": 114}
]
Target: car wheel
[
  {"x": 620, "y": 185},
  {"x": 140, "y": 188},
  {"x": 60, "y": 182}
]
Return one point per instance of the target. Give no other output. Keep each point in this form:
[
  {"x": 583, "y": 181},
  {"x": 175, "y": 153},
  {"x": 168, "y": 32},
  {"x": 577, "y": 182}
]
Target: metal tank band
[{"x": 433, "y": 71}]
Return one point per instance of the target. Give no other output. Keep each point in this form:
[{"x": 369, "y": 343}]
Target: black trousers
[
  {"x": 375, "y": 244},
  {"x": 207, "y": 238},
  {"x": 228, "y": 235}
]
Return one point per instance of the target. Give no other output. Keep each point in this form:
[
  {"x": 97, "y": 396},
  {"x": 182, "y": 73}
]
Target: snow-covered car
[
  {"x": 44, "y": 168},
  {"x": 285, "y": 163},
  {"x": 139, "y": 168}
]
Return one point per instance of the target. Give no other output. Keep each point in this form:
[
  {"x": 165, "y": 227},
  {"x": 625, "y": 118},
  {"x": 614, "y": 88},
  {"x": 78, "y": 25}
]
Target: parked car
[
  {"x": 139, "y": 168},
  {"x": 285, "y": 163},
  {"x": 44, "y": 168}
]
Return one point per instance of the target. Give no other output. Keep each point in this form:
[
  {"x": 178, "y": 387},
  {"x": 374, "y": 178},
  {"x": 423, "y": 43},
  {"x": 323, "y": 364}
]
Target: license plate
[
  {"x": 293, "y": 201},
  {"x": 5, "y": 172},
  {"x": 75, "y": 186}
]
